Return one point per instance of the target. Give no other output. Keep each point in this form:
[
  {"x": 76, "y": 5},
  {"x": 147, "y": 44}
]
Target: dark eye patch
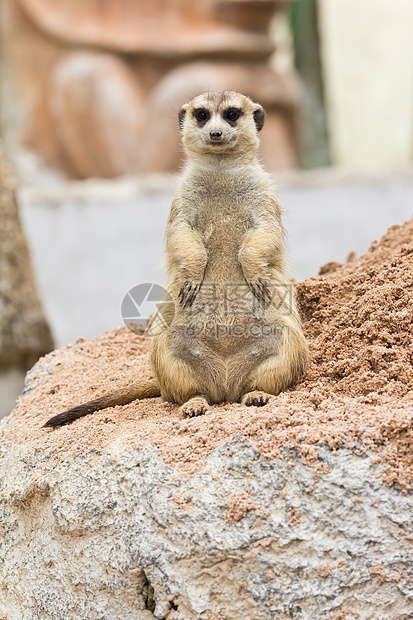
[
  {"x": 231, "y": 115},
  {"x": 202, "y": 116}
]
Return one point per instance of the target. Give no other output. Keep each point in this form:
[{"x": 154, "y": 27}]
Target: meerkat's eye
[
  {"x": 232, "y": 115},
  {"x": 201, "y": 115}
]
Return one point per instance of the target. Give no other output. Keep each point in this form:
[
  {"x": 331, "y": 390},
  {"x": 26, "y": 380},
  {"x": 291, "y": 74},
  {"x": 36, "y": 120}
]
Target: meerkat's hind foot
[
  {"x": 198, "y": 405},
  {"x": 256, "y": 398}
]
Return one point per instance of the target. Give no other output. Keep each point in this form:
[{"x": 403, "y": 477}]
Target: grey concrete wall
[
  {"x": 93, "y": 241},
  {"x": 11, "y": 386}
]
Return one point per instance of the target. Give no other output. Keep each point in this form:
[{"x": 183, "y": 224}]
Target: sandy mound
[
  {"x": 358, "y": 319},
  {"x": 357, "y": 393}
]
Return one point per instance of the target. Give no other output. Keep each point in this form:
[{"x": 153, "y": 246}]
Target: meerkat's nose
[{"x": 216, "y": 134}]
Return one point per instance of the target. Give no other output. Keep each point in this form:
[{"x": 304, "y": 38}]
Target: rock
[
  {"x": 133, "y": 513},
  {"x": 299, "y": 509},
  {"x": 179, "y": 28},
  {"x": 96, "y": 95},
  {"x": 25, "y": 335},
  {"x": 122, "y": 535},
  {"x": 82, "y": 82},
  {"x": 24, "y": 332}
]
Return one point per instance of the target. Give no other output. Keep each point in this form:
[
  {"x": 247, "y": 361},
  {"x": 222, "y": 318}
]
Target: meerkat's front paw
[
  {"x": 260, "y": 289},
  {"x": 187, "y": 293},
  {"x": 255, "y": 398}
]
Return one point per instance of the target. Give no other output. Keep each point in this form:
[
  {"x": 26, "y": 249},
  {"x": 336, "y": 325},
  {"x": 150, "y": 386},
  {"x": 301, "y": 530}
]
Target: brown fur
[{"x": 233, "y": 331}]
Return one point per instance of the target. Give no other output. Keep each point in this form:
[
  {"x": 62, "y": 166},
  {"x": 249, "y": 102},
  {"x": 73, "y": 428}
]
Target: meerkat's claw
[
  {"x": 264, "y": 285},
  {"x": 187, "y": 293},
  {"x": 255, "y": 399},
  {"x": 181, "y": 294},
  {"x": 261, "y": 290}
]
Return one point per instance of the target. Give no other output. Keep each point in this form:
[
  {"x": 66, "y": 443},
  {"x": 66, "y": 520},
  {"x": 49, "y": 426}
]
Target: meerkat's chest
[
  {"x": 220, "y": 222},
  {"x": 219, "y": 213}
]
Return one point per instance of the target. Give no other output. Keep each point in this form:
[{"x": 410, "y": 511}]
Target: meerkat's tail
[{"x": 147, "y": 389}]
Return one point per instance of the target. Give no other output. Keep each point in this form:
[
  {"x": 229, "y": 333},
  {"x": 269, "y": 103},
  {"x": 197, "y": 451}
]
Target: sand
[{"x": 357, "y": 393}]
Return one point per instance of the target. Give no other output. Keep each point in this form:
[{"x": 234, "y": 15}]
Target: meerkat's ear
[
  {"x": 259, "y": 116},
  {"x": 181, "y": 115}
]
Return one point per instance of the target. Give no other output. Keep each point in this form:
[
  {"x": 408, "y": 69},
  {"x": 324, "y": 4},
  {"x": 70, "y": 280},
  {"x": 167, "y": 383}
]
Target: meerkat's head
[{"x": 226, "y": 122}]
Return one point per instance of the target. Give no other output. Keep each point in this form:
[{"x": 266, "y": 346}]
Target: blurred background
[{"x": 89, "y": 96}]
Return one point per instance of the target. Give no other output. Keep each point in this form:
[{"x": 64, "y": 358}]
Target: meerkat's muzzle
[
  {"x": 218, "y": 139},
  {"x": 215, "y": 135}
]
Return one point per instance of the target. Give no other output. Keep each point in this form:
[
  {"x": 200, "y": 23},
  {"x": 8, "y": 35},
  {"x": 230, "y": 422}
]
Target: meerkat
[{"x": 231, "y": 329}]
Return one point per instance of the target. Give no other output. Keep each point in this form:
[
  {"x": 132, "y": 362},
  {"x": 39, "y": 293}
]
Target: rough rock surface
[
  {"x": 300, "y": 509},
  {"x": 123, "y": 535},
  {"x": 24, "y": 332}
]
